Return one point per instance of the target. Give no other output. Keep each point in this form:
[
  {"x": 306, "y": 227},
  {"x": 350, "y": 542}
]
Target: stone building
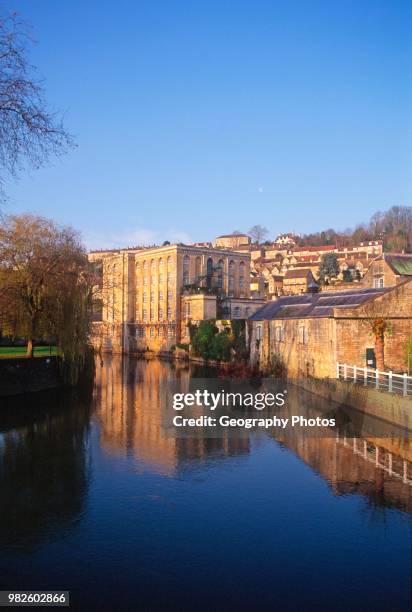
[
  {"x": 311, "y": 333},
  {"x": 297, "y": 281},
  {"x": 232, "y": 241},
  {"x": 150, "y": 295},
  {"x": 387, "y": 270}
]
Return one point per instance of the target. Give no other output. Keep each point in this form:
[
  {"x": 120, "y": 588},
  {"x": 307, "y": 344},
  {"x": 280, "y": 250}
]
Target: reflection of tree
[{"x": 43, "y": 471}]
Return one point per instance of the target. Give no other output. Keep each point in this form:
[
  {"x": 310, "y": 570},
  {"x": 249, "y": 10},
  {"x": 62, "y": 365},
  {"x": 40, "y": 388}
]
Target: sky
[{"x": 194, "y": 119}]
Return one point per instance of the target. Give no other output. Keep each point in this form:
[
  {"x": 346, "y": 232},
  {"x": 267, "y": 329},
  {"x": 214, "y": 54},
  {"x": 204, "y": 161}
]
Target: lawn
[{"x": 8, "y": 352}]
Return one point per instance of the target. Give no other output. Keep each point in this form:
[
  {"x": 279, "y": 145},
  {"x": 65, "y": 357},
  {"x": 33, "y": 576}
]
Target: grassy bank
[{"x": 9, "y": 352}]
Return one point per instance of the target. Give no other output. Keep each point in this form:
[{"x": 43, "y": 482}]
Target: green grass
[{"x": 10, "y": 352}]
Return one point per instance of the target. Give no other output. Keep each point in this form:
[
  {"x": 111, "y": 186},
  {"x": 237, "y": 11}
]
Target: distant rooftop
[{"x": 400, "y": 263}]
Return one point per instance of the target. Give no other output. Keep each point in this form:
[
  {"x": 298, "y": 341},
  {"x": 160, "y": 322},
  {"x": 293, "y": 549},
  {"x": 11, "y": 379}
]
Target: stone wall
[{"x": 354, "y": 328}]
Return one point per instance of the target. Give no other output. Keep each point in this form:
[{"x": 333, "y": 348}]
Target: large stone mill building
[{"x": 149, "y": 295}]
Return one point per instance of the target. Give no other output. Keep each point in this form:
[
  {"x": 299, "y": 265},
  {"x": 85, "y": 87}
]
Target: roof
[
  {"x": 240, "y": 235},
  {"x": 400, "y": 264},
  {"x": 314, "y": 305},
  {"x": 300, "y": 273}
]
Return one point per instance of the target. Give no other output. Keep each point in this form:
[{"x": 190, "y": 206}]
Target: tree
[
  {"x": 30, "y": 133},
  {"x": 45, "y": 285},
  {"x": 258, "y": 233},
  {"x": 328, "y": 268}
]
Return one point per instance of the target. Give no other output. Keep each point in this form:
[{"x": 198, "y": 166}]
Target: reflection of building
[
  {"x": 311, "y": 333},
  {"x": 133, "y": 401},
  {"x": 149, "y": 295},
  {"x": 132, "y": 395}
]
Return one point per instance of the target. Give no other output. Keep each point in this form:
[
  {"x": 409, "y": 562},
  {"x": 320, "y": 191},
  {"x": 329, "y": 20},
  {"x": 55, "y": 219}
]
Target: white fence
[{"x": 386, "y": 381}]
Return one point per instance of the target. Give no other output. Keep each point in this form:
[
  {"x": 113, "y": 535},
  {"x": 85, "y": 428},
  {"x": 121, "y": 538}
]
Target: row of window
[
  {"x": 160, "y": 314},
  {"x": 170, "y": 295},
  {"x": 142, "y": 332}
]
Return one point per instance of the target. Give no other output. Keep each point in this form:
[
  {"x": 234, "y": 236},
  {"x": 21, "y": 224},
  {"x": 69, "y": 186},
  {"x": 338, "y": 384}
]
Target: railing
[
  {"x": 369, "y": 377},
  {"x": 395, "y": 466}
]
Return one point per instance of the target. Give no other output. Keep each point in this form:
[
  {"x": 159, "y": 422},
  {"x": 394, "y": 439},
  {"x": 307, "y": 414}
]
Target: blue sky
[{"x": 197, "y": 118}]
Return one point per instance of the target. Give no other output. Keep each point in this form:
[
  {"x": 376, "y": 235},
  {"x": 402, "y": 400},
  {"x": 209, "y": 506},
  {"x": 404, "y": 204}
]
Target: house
[
  {"x": 389, "y": 269},
  {"x": 297, "y": 281},
  {"x": 311, "y": 333},
  {"x": 232, "y": 241}
]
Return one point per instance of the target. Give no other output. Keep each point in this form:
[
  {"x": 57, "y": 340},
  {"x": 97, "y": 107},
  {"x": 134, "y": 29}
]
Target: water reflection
[
  {"x": 361, "y": 456},
  {"x": 97, "y": 498},
  {"x": 131, "y": 395},
  {"x": 44, "y": 469}
]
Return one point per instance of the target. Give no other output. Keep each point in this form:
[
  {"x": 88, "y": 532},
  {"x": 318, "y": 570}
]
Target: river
[{"x": 96, "y": 498}]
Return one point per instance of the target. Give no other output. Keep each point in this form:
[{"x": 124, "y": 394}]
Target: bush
[
  {"x": 220, "y": 348},
  {"x": 202, "y": 339}
]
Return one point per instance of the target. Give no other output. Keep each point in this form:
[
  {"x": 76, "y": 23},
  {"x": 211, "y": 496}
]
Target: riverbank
[
  {"x": 389, "y": 407},
  {"x": 22, "y": 375}
]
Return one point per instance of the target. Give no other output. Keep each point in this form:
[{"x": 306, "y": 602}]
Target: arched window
[
  {"x": 219, "y": 274},
  {"x": 161, "y": 269},
  {"x": 198, "y": 268},
  {"x": 231, "y": 275},
  {"x": 186, "y": 270},
  {"x": 209, "y": 272},
  {"x": 242, "y": 277}
]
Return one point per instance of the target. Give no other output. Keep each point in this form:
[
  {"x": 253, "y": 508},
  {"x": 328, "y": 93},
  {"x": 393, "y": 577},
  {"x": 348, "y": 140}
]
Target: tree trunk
[
  {"x": 380, "y": 351},
  {"x": 29, "y": 351}
]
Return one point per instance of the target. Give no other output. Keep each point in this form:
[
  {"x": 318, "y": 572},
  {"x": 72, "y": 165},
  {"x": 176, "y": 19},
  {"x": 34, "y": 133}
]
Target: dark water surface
[{"x": 96, "y": 499}]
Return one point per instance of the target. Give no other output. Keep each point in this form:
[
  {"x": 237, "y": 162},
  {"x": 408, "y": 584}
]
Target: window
[
  {"x": 144, "y": 314},
  {"x": 279, "y": 333},
  {"x": 198, "y": 268},
  {"x": 247, "y": 312},
  {"x": 219, "y": 276},
  {"x": 160, "y": 314},
  {"x": 144, "y": 297},
  {"x": 378, "y": 282},
  {"x": 169, "y": 312},
  {"x": 152, "y": 314},
  {"x": 160, "y": 332},
  {"x": 170, "y": 295},
  {"x": 259, "y": 332},
  {"x": 152, "y": 332},
  {"x": 170, "y": 332},
  {"x": 231, "y": 274},
  {"x": 152, "y": 297},
  {"x": 160, "y": 278},
  {"x": 161, "y": 296},
  {"x": 187, "y": 309},
  {"x": 236, "y": 312},
  {"x": 186, "y": 270}
]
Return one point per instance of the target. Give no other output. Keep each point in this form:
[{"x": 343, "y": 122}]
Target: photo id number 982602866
[{"x": 34, "y": 598}]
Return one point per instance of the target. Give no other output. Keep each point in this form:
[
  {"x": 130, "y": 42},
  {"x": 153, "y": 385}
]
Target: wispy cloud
[{"x": 138, "y": 236}]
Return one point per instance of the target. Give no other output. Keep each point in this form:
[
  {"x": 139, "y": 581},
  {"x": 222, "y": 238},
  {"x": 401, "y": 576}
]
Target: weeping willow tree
[{"x": 45, "y": 288}]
